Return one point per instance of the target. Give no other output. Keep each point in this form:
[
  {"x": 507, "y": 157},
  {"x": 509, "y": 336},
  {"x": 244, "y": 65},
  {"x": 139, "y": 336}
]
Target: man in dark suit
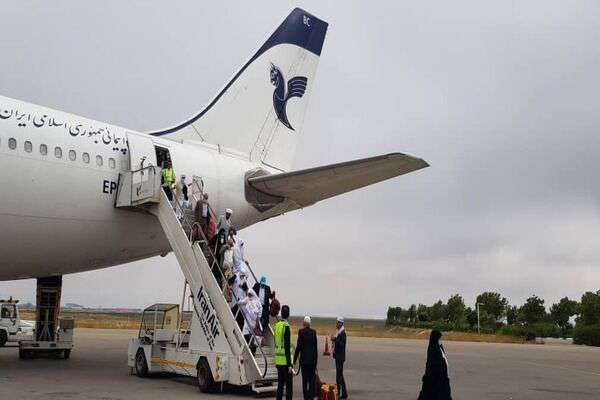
[
  {"x": 339, "y": 354},
  {"x": 306, "y": 349},
  {"x": 263, "y": 291}
]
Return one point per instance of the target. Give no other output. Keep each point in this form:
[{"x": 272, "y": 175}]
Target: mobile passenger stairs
[{"x": 212, "y": 348}]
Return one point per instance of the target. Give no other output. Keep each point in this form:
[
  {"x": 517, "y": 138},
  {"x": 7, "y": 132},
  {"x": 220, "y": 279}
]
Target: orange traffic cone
[{"x": 327, "y": 351}]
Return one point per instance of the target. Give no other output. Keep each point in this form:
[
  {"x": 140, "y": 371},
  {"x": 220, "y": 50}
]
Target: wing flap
[{"x": 306, "y": 187}]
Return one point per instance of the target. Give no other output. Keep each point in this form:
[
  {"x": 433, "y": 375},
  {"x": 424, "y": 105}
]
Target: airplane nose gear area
[
  {"x": 52, "y": 335},
  {"x": 206, "y": 341}
]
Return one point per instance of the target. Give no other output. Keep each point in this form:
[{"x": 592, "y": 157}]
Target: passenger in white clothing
[
  {"x": 242, "y": 268},
  {"x": 239, "y": 261},
  {"x": 227, "y": 256},
  {"x": 252, "y": 310},
  {"x": 238, "y": 250},
  {"x": 239, "y": 289}
]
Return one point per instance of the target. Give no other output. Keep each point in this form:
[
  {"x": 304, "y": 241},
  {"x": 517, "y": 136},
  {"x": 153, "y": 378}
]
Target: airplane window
[
  {"x": 12, "y": 143},
  {"x": 72, "y": 155},
  {"x": 57, "y": 152},
  {"x": 111, "y": 163},
  {"x": 99, "y": 161},
  {"x": 86, "y": 158},
  {"x": 124, "y": 165},
  {"x": 43, "y": 149},
  {"x": 28, "y": 146}
]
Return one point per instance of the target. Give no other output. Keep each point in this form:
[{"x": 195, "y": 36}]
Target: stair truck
[{"x": 212, "y": 348}]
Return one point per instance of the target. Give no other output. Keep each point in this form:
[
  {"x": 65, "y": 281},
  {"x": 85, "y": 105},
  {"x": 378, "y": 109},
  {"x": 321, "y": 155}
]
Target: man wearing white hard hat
[
  {"x": 339, "y": 354},
  {"x": 306, "y": 350}
]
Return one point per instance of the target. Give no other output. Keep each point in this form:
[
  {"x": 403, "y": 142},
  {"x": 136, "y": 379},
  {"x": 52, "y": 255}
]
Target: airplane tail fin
[{"x": 260, "y": 112}]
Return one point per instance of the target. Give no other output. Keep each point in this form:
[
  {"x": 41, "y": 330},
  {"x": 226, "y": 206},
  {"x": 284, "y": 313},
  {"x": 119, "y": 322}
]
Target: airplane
[{"x": 60, "y": 172}]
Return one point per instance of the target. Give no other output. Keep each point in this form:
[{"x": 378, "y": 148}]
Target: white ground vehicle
[
  {"x": 212, "y": 348},
  {"x": 167, "y": 342},
  {"x": 10, "y": 324},
  {"x": 12, "y": 328},
  {"x": 55, "y": 335},
  {"x": 58, "y": 343}
]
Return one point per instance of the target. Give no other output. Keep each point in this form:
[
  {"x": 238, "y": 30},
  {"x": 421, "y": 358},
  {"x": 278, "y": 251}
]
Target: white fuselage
[{"x": 57, "y": 212}]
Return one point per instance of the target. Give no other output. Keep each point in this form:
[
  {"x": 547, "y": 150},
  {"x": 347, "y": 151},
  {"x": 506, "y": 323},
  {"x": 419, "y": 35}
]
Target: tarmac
[{"x": 376, "y": 369}]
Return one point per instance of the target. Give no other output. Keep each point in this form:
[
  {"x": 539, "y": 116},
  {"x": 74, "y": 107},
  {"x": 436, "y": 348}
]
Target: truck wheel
[
  {"x": 3, "y": 338},
  {"x": 67, "y": 354},
  {"x": 206, "y": 382},
  {"x": 141, "y": 366}
]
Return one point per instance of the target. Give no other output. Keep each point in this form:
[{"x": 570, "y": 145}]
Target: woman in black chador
[{"x": 436, "y": 385}]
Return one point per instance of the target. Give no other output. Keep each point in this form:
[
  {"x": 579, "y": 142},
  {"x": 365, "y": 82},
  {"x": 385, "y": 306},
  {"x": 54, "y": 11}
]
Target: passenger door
[
  {"x": 141, "y": 151},
  {"x": 142, "y": 155}
]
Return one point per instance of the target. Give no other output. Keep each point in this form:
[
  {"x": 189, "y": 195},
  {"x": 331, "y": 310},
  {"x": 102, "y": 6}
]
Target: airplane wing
[{"x": 306, "y": 187}]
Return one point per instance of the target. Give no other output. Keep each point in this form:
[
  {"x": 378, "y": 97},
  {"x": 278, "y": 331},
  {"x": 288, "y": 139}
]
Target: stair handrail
[
  {"x": 130, "y": 174},
  {"x": 215, "y": 266},
  {"x": 183, "y": 220},
  {"x": 212, "y": 214}
]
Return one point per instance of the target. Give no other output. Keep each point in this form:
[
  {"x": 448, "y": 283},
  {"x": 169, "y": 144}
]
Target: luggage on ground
[{"x": 328, "y": 392}]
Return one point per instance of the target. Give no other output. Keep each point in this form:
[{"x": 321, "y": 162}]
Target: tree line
[{"x": 531, "y": 319}]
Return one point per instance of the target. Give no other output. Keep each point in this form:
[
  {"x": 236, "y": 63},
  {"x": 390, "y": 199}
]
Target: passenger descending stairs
[{"x": 198, "y": 271}]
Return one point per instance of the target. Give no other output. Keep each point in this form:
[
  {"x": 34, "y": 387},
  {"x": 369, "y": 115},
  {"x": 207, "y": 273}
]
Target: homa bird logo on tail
[{"x": 295, "y": 88}]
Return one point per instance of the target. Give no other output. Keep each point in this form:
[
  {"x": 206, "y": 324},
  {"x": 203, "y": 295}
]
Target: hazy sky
[{"x": 501, "y": 98}]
